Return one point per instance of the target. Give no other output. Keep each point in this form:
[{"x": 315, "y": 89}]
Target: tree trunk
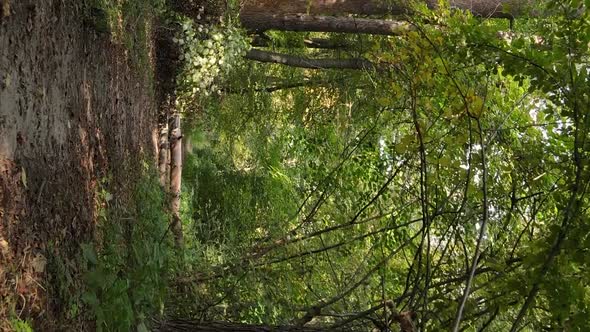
[
  {"x": 163, "y": 156},
  {"x": 195, "y": 326},
  {"x": 484, "y": 8},
  {"x": 320, "y": 43},
  {"x": 262, "y": 21},
  {"x": 175, "y": 178},
  {"x": 404, "y": 320},
  {"x": 295, "y": 61}
]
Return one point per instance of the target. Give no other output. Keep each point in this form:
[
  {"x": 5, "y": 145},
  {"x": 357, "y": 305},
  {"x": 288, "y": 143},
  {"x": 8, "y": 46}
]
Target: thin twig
[{"x": 481, "y": 231}]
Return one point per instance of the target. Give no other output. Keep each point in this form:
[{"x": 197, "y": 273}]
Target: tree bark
[
  {"x": 175, "y": 178},
  {"x": 195, "y": 326},
  {"x": 163, "y": 156},
  {"x": 483, "y": 8},
  {"x": 262, "y": 21},
  {"x": 404, "y": 319},
  {"x": 301, "y": 62}
]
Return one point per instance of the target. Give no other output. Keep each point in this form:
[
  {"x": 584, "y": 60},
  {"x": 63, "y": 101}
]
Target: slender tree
[{"x": 175, "y": 177}]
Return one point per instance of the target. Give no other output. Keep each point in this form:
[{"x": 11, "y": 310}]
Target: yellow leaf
[
  {"x": 407, "y": 140},
  {"x": 39, "y": 263},
  {"x": 401, "y": 148},
  {"x": 476, "y": 106},
  {"x": 4, "y": 248},
  {"x": 383, "y": 101},
  {"x": 404, "y": 144},
  {"x": 444, "y": 161},
  {"x": 5, "y": 8},
  {"x": 23, "y": 177}
]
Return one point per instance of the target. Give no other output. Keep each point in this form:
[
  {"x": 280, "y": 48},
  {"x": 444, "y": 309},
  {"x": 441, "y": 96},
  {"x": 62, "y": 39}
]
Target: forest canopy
[
  {"x": 295, "y": 165},
  {"x": 369, "y": 167}
]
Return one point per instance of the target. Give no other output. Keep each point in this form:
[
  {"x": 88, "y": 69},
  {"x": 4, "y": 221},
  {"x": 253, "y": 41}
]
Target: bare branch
[
  {"x": 482, "y": 230},
  {"x": 264, "y": 21},
  {"x": 301, "y": 62}
]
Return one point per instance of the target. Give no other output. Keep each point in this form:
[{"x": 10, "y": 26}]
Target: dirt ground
[{"x": 73, "y": 110}]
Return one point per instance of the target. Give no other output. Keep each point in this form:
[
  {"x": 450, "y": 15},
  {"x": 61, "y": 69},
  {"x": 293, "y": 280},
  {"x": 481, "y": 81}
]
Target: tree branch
[
  {"x": 301, "y": 62},
  {"x": 257, "y": 21},
  {"x": 316, "y": 310},
  {"x": 482, "y": 230},
  {"x": 482, "y": 8}
]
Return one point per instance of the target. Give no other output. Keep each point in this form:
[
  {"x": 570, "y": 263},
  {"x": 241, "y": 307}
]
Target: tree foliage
[{"x": 448, "y": 180}]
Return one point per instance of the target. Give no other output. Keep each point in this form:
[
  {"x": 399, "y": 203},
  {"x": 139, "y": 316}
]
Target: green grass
[
  {"x": 19, "y": 325},
  {"x": 125, "y": 278},
  {"x": 65, "y": 283},
  {"x": 128, "y": 22}
]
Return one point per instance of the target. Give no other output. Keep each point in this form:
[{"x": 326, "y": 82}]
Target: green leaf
[
  {"x": 384, "y": 101},
  {"x": 142, "y": 328},
  {"x": 89, "y": 253},
  {"x": 444, "y": 161}
]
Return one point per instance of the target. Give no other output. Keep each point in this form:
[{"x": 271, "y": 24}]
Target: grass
[
  {"x": 19, "y": 325},
  {"x": 125, "y": 278},
  {"x": 128, "y": 22},
  {"x": 64, "y": 283},
  {"x": 118, "y": 281}
]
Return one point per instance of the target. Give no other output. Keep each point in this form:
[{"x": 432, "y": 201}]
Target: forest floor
[{"x": 76, "y": 107}]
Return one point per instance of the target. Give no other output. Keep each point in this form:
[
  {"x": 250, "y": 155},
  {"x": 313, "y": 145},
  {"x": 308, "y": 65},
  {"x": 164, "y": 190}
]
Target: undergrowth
[
  {"x": 128, "y": 22},
  {"x": 226, "y": 208},
  {"x": 126, "y": 276},
  {"x": 19, "y": 325}
]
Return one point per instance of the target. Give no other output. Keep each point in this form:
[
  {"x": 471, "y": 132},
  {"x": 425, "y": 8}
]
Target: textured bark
[
  {"x": 263, "y": 21},
  {"x": 163, "y": 156},
  {"x": 175, "y": 178},
  {"x": 301, "y": 62},
  {"x": 195, "y": 326},
  {"x": 484, "y": 8},
  {"x": 404, "y": 319}
]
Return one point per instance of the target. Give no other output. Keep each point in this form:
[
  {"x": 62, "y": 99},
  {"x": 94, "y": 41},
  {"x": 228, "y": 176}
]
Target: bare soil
[{"x": 74, "y": 109}]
